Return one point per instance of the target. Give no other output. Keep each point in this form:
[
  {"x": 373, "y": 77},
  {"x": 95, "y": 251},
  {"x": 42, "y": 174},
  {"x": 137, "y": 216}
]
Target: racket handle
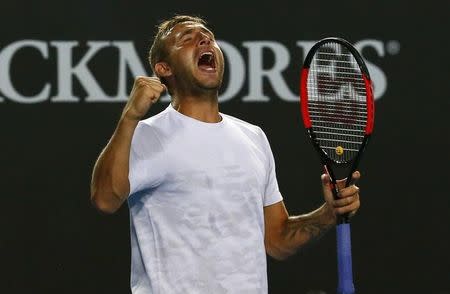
[{"x": 344, "y": 259}]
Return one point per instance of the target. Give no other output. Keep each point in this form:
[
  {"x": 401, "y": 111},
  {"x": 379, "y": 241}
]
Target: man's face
[{"x": 196, "y": 60}]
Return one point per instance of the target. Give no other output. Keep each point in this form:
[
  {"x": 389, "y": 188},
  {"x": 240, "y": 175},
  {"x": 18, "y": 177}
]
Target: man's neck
[{"x": 205, "y": 110}]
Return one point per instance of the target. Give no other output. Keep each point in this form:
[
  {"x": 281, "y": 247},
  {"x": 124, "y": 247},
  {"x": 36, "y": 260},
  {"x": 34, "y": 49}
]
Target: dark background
[{"x": 53, "y": 241}]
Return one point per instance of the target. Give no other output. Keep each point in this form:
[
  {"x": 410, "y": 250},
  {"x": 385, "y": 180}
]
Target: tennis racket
[{"x": 336, "y": 103}]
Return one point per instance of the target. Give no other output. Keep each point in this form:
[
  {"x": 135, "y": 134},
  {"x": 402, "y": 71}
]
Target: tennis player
[{"x": 201, "y": 187}]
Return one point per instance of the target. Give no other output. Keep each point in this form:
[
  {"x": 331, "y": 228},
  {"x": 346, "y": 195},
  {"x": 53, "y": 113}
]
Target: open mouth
[{"x": 206, "y": 62}]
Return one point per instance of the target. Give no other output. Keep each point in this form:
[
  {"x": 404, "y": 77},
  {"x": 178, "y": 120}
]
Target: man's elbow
[
  {"x": 278, "y": 251},
  {"x": 103, "y": 205}
]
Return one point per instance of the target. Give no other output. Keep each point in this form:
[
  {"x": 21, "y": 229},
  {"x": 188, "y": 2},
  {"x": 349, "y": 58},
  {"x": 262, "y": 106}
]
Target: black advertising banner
[{"x": 66, "y": 69}]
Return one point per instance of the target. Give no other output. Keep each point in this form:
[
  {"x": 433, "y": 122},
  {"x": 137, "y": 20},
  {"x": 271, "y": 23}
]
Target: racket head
[{"x": 336, "y": 101}]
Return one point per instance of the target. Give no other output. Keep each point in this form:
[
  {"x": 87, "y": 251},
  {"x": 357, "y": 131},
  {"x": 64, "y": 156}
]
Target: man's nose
[{"x": 205, "y": 40}]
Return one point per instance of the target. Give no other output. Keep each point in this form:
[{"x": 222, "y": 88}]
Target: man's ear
[{"x": 162, "y": 69}]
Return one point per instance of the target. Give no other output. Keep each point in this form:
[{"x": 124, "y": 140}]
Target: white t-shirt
[{"x": 196, "y": 205}]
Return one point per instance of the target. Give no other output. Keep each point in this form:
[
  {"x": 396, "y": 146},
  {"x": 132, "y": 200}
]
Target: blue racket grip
[{"x": 344, "y": 259}]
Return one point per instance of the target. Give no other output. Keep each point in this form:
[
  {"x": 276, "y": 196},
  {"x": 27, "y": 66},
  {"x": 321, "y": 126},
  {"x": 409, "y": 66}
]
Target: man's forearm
[
  {"x": 302, "y": 229},
  {"x": 110, "y": 185}
]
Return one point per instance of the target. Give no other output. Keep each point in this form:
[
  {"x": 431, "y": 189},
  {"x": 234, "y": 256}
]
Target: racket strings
[{"x": 337, "y": 102}]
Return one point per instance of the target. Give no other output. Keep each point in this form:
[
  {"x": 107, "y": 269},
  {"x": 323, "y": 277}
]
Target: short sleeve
[
  {"x": 146, "y": 162},
  {"x": 272, "y": 193}
]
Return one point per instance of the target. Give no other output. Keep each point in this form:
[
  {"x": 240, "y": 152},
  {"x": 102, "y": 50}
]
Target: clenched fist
[{"x": 146, "y": 91}]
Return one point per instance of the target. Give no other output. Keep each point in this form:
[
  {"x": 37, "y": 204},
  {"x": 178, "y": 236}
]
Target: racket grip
[{"x": 344, "y": 259}]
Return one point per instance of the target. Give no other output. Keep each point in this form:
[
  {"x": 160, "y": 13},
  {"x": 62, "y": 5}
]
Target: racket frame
[
  {"x": 343, "y": 238},
  {"x": 328, "y": 162}
]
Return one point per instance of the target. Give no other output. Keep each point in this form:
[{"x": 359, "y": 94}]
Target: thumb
[
  {"x": 165, "y": 88},
  {"x": 327, "y": 187}
]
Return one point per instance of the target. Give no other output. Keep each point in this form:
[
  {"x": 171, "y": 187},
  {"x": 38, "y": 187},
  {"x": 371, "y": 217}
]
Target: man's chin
[{"x": 209, "y": 85}]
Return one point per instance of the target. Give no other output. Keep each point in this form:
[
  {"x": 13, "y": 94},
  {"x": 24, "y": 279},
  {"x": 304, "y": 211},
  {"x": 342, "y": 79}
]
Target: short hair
[{"x": 158, "y": 50}]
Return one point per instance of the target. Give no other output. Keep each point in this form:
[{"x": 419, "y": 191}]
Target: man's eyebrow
[
  {"x": 207, "y": 31},
  {"x": 185, "y": 32},
  {"x": 190, "y": 30}
]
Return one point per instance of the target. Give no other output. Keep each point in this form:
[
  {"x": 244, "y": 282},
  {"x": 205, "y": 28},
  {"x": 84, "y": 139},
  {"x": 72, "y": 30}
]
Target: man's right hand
[{"x": 146, "y": 91}]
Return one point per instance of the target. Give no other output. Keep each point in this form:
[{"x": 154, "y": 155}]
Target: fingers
[
  {"x": 347, "y": 202},
  {"x": 348, "y": 191},
  {"x": 153, "y": 83},
  {"x": 354, "y": 179}
]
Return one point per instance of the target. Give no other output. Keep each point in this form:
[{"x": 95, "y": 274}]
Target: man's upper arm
[{"x": 275, "y": 219}]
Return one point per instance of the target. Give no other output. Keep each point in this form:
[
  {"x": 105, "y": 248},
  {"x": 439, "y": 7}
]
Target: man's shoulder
[
  {"x": 252, "y": 131},
  {"x": 155, "y": 119},
  {"x": 242, "y": 124},
  {"x": 152, "y": 126}
]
